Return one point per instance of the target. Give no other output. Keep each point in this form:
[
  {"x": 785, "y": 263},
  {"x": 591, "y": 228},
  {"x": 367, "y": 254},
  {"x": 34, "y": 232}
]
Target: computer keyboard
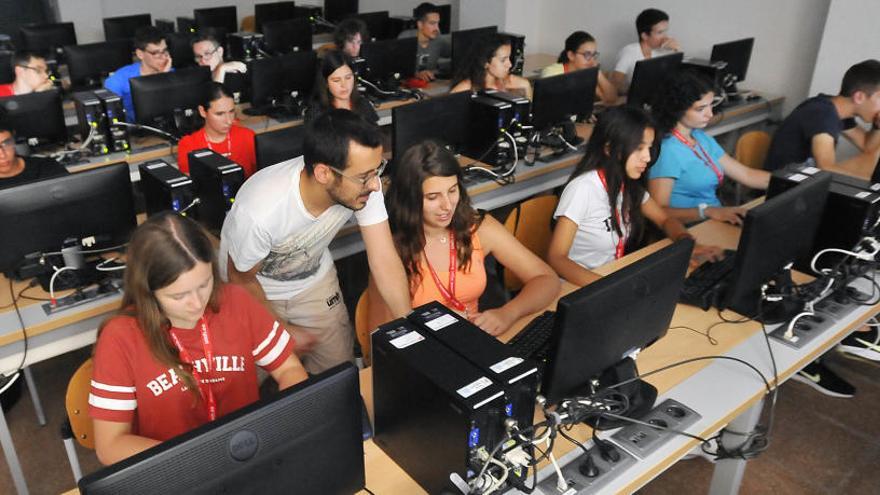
[
  {"x": 703, "y": 287},
  {"x": 533, "y": 341}
]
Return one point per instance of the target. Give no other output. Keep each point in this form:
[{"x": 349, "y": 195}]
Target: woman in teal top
[{"x": 691, "y": 165}]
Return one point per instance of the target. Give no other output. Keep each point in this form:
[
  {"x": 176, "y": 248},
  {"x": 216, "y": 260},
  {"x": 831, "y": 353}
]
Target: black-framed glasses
[
  {"x": 158, "y": 53},
  {"x": 38, "y": 70},
  {"x": 365, "y": 178},
  {"x": 7, "y": 143},
  {"x": 206, "y": 55},
  {"x": 588, "y": 55}
]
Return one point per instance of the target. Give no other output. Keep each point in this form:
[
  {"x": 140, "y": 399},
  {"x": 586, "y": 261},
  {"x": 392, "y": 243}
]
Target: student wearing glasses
[
  {"x": 580, "y": 52},
  {"x": 275, "y": 238},
  {"x": 335, "y": 88},
  {"x": 31, "y": 75},
  {"x": 208, "y": 53},
  {"x": 220, "y": 134},
  {"x": 153, "y": 56}
]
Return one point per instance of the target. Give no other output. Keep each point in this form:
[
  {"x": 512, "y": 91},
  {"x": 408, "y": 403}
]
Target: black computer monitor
[
  {"x": 90, "y": 63},
  {"x": 599, "y": 325},
  {"x": 276, "y": 11},
  {"x": 275, "y": 79},
  {"x": 287, "y": 35},
  {"x": 47, "y": 39},
  {"x": 442, "y": 119},
  {"x": 736, "y": 54},
  {"x": 37, "y": 118},
  {"x": 278, "y": 146},
  {"x": 466, "y": 40},
  {"x": 37, "y": 217},
  {"x": 390, "y": 59},
  {"x": 170, "y": 99},
  {"x": 648, "y": 75},
  {"x": 306, "y": 439},
  {"x": 445, "y": 18},
  {"x": 124, "y": 27},
  {"x": 775, "y": 234},
  {"x": 377, "y": 24},
  {"x": 225, "y": 18},
  {"x": 557, "y": 98},
  {"x": 180, "y": 48},
  {"x": 337, "y": 10},
  {"x": 7, "y": 73}
]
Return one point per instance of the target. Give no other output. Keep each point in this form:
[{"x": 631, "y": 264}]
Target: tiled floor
[{"x": 820, "y": 445}]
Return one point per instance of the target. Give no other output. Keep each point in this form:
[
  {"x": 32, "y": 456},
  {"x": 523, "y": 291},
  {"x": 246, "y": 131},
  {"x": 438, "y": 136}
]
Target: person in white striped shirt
[{"x": 183, "y": 348}]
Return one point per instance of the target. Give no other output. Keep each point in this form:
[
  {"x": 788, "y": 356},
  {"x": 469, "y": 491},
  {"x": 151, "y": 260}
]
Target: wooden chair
[
  {"x": 530, "y": 223},
  {"x": 362, "y": 324},
  {"x": 79, "y": 424},
  {"x": 751, "y": 150}
]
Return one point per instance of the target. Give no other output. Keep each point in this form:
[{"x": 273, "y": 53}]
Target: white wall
[
  {"x": 850, "y": 36},
  {"x": 87, "y": 14}
]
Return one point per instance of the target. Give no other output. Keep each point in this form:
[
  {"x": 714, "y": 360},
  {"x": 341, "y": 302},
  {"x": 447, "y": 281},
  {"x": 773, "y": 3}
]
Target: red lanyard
[
  {"x": 701, "y": 154},
  {"x": 621, "y": 242},
  {"x": 449, "y": 294},
  {"x": 209, "y": 356},
  {"x": 228, "y": 144}
]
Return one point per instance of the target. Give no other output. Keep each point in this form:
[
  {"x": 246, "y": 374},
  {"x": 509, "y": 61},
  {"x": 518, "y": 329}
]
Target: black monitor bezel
[
  {"x": 742, "y": 50},
  {"x": 648, "y": 74},
  {"x": 271, "y": 76},
  {"x": 555, "y": 98},
  {"x": 124, "y": 27}
]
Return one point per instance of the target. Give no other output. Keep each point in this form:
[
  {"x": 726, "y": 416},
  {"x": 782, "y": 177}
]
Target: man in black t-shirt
[
  {"x": 813, "y": 128},
  {"x": 15, "y": 170}
]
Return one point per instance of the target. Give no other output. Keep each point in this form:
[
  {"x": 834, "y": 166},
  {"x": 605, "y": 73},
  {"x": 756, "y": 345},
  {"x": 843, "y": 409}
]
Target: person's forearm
[
  {"x": 535, "y": 295},
  {"x": 571, "y": 271},
  {"x": 674, "y": 229},
  {"x": 122, "y": 447},
  {"x": 607, "y": 90},
  {"x": 684, "y": 215},
  {"x": 861, "y": 165},
  {"x": 392, "y": 284},
  {"x": 872, "y": 140},
  {"x": 291, "y": 377}
]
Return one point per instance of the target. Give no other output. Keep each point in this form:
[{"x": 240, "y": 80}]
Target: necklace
[{"x": 443, "y": 239}]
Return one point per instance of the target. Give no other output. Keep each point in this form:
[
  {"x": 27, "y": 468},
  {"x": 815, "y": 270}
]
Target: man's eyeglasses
[
  {"x": 158, "y": 53},
  {"x": 38, "y": 70},
  {"x": 206, "y": 55},
  {"x": 365, "y": 178},
  {"x": 7, "y": 143}
]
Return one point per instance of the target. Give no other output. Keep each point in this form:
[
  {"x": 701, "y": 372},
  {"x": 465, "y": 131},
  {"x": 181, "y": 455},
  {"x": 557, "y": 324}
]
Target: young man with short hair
[
  {"x": 275, "y": 238},
  {"x": 31, "y": 75},
  {"x": 432, "y": 47},
  {"x": 813, "y": 128},
  {"x": 151, "y": 49},
  {"x": 15, "y": 170},
  {"x": 208, "y": 53},
  {"x": 652, "y": 27}
]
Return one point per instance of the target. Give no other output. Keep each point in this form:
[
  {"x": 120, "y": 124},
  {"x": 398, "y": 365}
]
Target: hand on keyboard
[
  {"x": 492, "y": 321},
  {"x": 728, "y": 214},
  {"x": 703, "y": 253}
]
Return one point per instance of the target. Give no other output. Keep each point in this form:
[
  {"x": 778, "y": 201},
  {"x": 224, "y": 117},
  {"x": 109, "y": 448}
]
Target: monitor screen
[
  {"x": 89, "y": 64},
  {"x": 774, "y": 234},
  {"x": 377, "y": 24},
  {"x": 737, "y": 55},
  {"x": 124, "y": 27},
  {"x": 557, "y": 98},
  {"x": 287, "y": 35},
  {"x": 445, "y": 18},
  {"x": 277, "y": 77},
  {"x": 278, "y": 146},
  {"x": 276, "y": 11},
  {"x": 465, "y": 40},
  {"x": 648, "y": 75},
  {"x": 158, "y": 97},
  {"x": 47, "y": 39},
  {"x": 180, "y": 48},
  {"x": 225, "y": 18},
  {"x": 7, "y": 74},
  {"x": 437, "y": 118},
  {"x": 35, "y": 117},
  {"x": 389, "y": 59},
  {"x": 97, "y": 202},
  {"x": 337, "y": 10},
  {"x": 306, "y": 439},
  {"x": 600, "y": 324}
]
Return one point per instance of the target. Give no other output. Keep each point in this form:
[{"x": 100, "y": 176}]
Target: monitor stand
[{"x": 641, "y": 394}]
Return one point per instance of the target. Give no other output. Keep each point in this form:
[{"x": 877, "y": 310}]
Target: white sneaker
[{"x": 864, "y": 345}]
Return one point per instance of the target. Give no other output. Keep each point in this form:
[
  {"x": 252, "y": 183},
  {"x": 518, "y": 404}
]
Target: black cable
[
  {"x": 572, "y": 440},
  {"x": 708, "y": 336},
  {"x": 692, "y": 360},
  {"x": 368, "y": 491}
]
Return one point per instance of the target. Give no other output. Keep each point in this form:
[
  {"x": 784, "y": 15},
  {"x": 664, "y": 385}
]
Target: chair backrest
[
  {"x": 77, "y": 404},
  {"x": 530, "y": 223},
  {"x": 751, "y": 148},
  {"x": 362, "y": 324},
  {"x": 249, "y": 24}
]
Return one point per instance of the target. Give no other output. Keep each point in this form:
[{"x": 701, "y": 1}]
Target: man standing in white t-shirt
[
  {"x": 275, "y": 238},
  {"x": 652, "y": 26}
]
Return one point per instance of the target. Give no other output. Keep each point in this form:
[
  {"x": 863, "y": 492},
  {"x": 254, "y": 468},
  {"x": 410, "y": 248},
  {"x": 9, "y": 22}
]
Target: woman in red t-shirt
[
  {"x": 184, "y": 347},
  {"x": 220, "y": 133}
]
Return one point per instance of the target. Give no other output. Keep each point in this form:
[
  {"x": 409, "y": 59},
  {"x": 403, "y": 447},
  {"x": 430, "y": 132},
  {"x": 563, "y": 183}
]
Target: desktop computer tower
[
  {"x": 243, "y": 46},
  {"x": 117, "y": 135},
  {"x": 486, "y": 141},
  {"x": 91, "y": 122},
  {"x": 517, "y": 52},
  {"x": 518, "y": 377},
  {"x": 435, "y": 413},
  {"x": 851, "y": 212},
  {"x": 165, "y": 187},
  {"x": 521, "y": 112},
  {"x": 217, "y": 180}
]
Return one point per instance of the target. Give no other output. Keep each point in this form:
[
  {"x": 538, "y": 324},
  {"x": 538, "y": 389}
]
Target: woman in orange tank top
[{"x": 442, "y": 242}]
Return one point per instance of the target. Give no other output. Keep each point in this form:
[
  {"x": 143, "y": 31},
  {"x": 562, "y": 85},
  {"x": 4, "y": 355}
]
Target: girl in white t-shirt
[{"x": 601, "y": 214}]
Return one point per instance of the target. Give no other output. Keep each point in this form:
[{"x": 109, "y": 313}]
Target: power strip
[
  {"x": 828, "y": 312},
  {"x": 641, "y": 440}
]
